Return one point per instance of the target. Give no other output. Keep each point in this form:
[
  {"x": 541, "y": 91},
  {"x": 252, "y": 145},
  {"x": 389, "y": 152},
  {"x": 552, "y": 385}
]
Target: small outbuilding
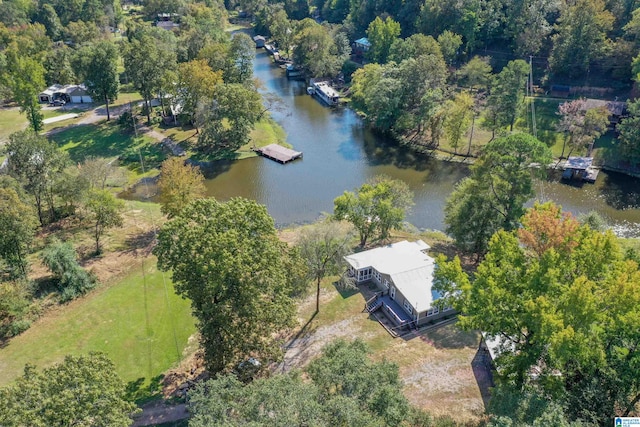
[
  {"x": 361, "y": 46},
  {"x": 68, "y": 93},
  {"x": 259, "y": 41},
  {"x": 580, "y": 168}
]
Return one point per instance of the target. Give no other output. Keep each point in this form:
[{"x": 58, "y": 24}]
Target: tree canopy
[
  {"x": 227, "y": 259},
  {"x": 83, "y": 391},
  {"x": 560, "y": 297},
  {"x": 179, "y": 184}
]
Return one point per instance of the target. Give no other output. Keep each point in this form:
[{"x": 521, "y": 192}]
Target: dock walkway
[{"x": 279, "y": 153}]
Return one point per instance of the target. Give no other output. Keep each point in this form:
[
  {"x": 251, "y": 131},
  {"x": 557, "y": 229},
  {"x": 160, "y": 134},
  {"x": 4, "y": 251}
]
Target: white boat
[
  {"x": 325, "y": 92},
  {"x": 311, "y": 90}
]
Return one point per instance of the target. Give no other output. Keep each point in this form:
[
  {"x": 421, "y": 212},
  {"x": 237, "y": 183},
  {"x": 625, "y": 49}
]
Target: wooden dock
[{"x": 279, "y": 153}]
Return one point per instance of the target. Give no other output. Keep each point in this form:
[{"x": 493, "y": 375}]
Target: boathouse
[{"x": 580, "y": 168}]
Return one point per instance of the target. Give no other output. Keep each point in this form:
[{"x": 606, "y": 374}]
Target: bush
[
  {"x": 126, "y": 121},
  {"x": 73, "y": 280},
  {"x": 14, "y": 308}
]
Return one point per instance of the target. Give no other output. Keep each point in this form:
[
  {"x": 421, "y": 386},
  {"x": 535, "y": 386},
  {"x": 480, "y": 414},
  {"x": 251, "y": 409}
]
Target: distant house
[
  {"x": 361, "y": 46},
  {"x": 616, "y": 109},
  {"x": 68, "y": 93},
  {"x": 403, "y": 272},
  {"x": 167, "y": 21},
  {"x": 259, "y": 41}
]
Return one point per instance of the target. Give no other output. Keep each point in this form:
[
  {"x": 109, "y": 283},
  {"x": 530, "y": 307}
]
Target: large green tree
[
  {"x": 345, "y": 389},
  {"x": 381, "y": 35},
  {"x": 229, "y": 119},
  {"x": 562, "y": 299},
  {"x": 102, "y": 79},
  {"x": 80, "y": 391},
  {"x": 375, "y": 208},
  {"x": 316, "y": 51},
  {"x": 196, "y": 85},
  {"x": 506, "y": 96},
  {"x": 493, "y": 197},
  {"x": 36, "y": 162},
  {"x": 629, "y": 129},
  {"x": 24, "y": 76},
  {"x": 581, "y": 37},
  {"x": 17, "y": 228},
  {"x": 147, "y": 56},
  {"x": 227, "y": 259},
  {"x": 179, "y": 184}
]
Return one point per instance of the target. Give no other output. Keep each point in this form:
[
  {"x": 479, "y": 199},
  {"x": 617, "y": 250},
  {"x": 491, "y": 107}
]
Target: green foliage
[
  {"x": 560, "y": 297},
  {"x": 81, "y": 390},
  {"x": 375, "y": 208},
  {"x": 506, "y": 97},
  {"x": 346, "y": 389},
  {"x": 322, "y": 247},
  {"x": 179, "y": 184},
  {"x": 449, "y": 44},
  {"x": 413, "y": 47},
  {"x": 17, "y": 228},
  {"x": 105, "y": 211},
  {"x": 494, "y": 196},
  {"x": 72, "y": 280},
  {"x": 227, "y": 259},
  {"x": 458, "y": 118},
  {"x": 381, "y": 35},
  {"x": 228, "y": 121},
  {"x": 629, "y": 129},
  {"x": 316, "y": 51},
  {"x": 581, "y": 37},
  {"x": 36, "y": 162},
  {"x": 24, "y": 76},
  {"x": 14, "y": 308},
  {"x": 102, "y": 79}
]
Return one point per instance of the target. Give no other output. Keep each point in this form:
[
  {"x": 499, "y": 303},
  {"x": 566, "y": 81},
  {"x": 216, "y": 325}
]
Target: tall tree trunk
[
  {"x": 148, "y": 105},
  {"x": 106, "y": 103},
  {"x": 473, "y": 124},
  {"x": 318, "y": 297}
]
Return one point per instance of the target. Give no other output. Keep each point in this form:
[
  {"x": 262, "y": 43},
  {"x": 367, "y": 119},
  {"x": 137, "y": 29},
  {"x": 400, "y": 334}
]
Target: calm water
[{"x": 340, "y": 154}]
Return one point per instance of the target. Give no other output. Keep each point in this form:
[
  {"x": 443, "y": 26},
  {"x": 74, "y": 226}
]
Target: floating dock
[
  {"x": 279, "y": 153},
  {"x": 581, "y": 169}
]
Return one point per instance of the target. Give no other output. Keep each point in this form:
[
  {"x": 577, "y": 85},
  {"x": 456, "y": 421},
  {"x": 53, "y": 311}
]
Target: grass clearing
[
  {"x": 138, "y": 321},
  {"x": 106, "y": 140}
]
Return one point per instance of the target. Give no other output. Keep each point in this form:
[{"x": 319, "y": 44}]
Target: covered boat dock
[{"x": 580, "y": 168}]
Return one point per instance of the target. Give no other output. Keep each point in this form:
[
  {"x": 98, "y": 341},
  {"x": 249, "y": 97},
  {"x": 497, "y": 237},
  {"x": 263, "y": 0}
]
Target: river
[{"x": 340, "y": 154}]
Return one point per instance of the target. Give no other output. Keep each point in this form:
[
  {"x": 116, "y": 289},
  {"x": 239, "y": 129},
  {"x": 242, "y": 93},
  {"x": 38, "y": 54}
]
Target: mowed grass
[
  {"x": 138, "y": 321},
  {"x": 106, "y": 140},
  {"x": 12, "y": 120}
]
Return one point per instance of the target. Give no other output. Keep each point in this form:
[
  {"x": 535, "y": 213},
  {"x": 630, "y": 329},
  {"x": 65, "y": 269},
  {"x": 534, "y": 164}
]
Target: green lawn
[
  {"x": 138, "y": 322},
  {"x": 106, "y": 140},
  {"x": 12, "y": 120}
]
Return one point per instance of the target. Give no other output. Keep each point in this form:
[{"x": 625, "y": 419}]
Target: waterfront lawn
[
  {"x": 106, "y": 140},
  {"x": 138, "y": 321}
]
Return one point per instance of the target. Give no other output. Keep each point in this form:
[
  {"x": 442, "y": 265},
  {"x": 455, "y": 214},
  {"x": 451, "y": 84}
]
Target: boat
[
  {"x": 294, "y": 72},
  {"x": 326, "y": 93},
  {"x": 311, "y": 90}
]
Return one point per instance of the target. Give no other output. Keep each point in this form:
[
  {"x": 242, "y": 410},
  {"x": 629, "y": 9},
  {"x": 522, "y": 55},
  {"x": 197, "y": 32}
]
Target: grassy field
[
  {"x": 12, "y": 120},
  {"x": 106, "y": 140},
  {"x": 138, "y": 321}
]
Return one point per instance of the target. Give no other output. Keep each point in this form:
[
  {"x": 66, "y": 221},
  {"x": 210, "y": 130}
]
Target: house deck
[{"x": 279, "y": 153}]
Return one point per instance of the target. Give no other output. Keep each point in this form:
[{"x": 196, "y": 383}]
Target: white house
[{"x": 403, "y": 272}]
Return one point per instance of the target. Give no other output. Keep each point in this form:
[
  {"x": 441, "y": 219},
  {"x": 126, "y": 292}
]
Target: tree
[
  {"x": 381, "y": 35},
  {"x": 316, "y": 51},
  {"x": 146, "y": 58},
  {"x": 17, "y": 229},
  {"x": 14, "y": 309},
  {"x": 227, "y": 259},
  {"x": 72, "y": 280},
  {"x": 83, "y": 390},
  {"x": 196, "y": 85},
  {"x": 179, "y": 184},
  {"x": 560, "y": 297},
  {"x": 413, "y": 47},
  {"x": 629, "y": 129},
  {"x": 458, "y": 118},
  {"x": 583, "y": 125},
  {"x": 494, "y": 195},
  {"x": 346, "y": 388},
  {"x": 322, "y": 247},
  {"x": 506, "y": 95},
  {"x": 242, "y": 50},
  {"x": 102, "y": 79},
  {"x": 48, "y": 17},
  {"x": 375, "y": 208},
  {"x": 228, "y": 121},
  {"x": 36, "y": 162},
  {"x": 449, "y": 43},
  {"x": 24, "y": 76},
  {"x": 105, "y": 211},
  {"x": 581, "y": 37}
]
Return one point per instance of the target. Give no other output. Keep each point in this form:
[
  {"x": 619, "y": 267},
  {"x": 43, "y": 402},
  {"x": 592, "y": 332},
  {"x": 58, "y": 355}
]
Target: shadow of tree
[
  {"x": 139, "y": 392},
  {"x": 449, "y": 336},
  {"x": 483, "y": 373},
  {"x": 621, "y": 191}
]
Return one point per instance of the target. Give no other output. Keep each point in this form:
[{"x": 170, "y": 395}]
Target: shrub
[
  {"x": 72, "y": 279},
  {"x": 14, "y": 307}
]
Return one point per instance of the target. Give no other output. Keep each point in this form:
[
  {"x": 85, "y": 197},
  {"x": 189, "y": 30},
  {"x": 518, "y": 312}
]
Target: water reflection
[{"x": 340, "y": 154}]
